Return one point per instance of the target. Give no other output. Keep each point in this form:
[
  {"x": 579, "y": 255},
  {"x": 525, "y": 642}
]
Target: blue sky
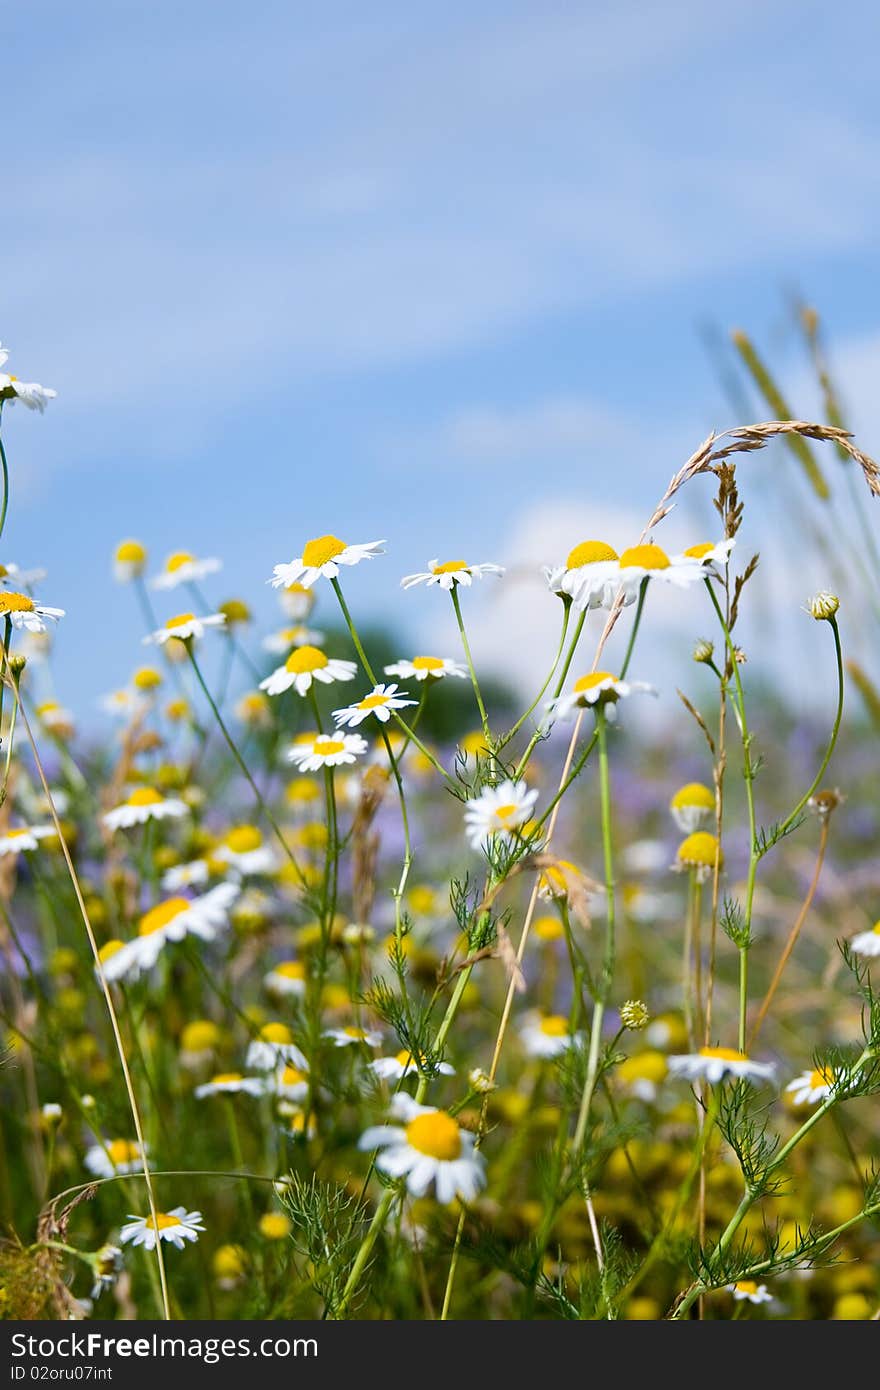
[{"x": 405, "y": 271}]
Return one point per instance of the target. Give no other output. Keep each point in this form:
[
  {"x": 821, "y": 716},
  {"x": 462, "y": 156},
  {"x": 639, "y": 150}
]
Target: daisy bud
[
  {"x": 823, "y": 606},
  {"x": 703, "y": 650},
  {"x": 634, "y": 1015},
  {"x": 826, "y": 801},
  {"x": 17, "y": 663},
  {"x": 481, "y": 1081}
]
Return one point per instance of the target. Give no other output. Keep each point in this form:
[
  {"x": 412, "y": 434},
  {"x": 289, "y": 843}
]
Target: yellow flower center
[
  {"x": 435, "y": 1134},
  {"x": 589, "y": 682},
  {"x": 724, "y": 1054},
  {"x": 159, "y": 917},
  {"x": 644, "y": 1066},
  {"x": 292, "y": 1076},
  {"x": 504, "y": 813},
  {"x": 699, "y": 850},
  {"x": 223, "y": 1077},
  {"x": 198, "y": 1036},
  {"x": 178, "y": 560},
  {"x": 290, "y": 970},
  {"x": 645, "y": 557},
  {"x": 121, "y": 1151},
  {"x": 555, "y": 1026},
  {"x": 372, "y": 701},
  {"x": 17, "y": 833},
  {"x": 321, "y": 551},
  {"x": 547, "y": 928},
  {"x": 357, "y": 1034},
  {"x": 697, "y": 552},
  {"x": 109, "y": 949},
  {"x": 276, "y": 1033},
  {"x": 422, "y": 898},
  {"x": 130, "y": 553},
  {"x": 876, "y": 928},
  {"x": 405, "y": 1059},
  {"x": 146, "y": 678},
  {"x": 179, "y": 620},
  {"x": 162, "y": 1221},
  {"x": 144, "y": 796},
  {"x": 823, "y": 1077},
  {"x": 589, "y": 553},
  {"x": 328, "y": 746},
  {"x": 746, "y": 1286},
  {"x": 694, "y": 794},
  {"x": 15, "y": 603},
  {"x": 428, "y": 663},
  {"x": 450, "y": 567},
  {"x": 305, "y": 659},
  {"x": 243, "y": 839}
]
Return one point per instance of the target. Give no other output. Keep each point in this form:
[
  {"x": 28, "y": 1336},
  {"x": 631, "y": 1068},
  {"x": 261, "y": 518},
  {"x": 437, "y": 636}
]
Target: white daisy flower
[
  {"x": 274, "y": 1045},
  {"x": 811, "y": 1086},
  {"x": 24, "y": 837},
  {"x": 403, "y": 1064},
  {"x": 24, "y": 579},
  {"x": 144, "y": 804},
  {"x": 24, "y": 613},
  {"x": 129, "y": 561},
  {"x": 349, "y": 1037},
  {"x": 55, "y": 718},
  {"x": 114, "y": 1157},
  {"x": 450, "y": 573},
  {"x": 192, "y": 875},
  {"x": 651, "y": 562},
  {"x": 597, "y": 688},
  {"x": 297, "y": 601},
  {"x": 327, "y": 750},
  {"x": 431, "y": 1148},
  {"x": 588, "y": 576},
  {"x": 177, "y": 1226},
  {"x": 185, "y": 626},
  {"x": 642, "y": 1074},
  {"x": 381, "y": 700},
  {"x": 30, "y": 393},
  {"x": 546, "y": 1035},
  {"x": 297, "y": 636},
  {"x": 121, "y": 703},
  {"x": 423, "y": 668},
  {"x": 170, "y": 920},
  {"x": 707, "y": 555},
  {"x": 498, "y": 809},
  {"x": 184, "y": 568},
  {"x": 867, "y": 943},
  {"x": 291, "y": 1083},
  {"x": 716, "y": 1064},
  {"x": 747, "y": 1289},
  {"x": 692, "y": 806},
  {"x": 243, "y": 850},
  {"x": 107, "y": 1266},
  {"x": 231, "y": 1083},
  {"x": 305, "y": 665},
  {"x": 322, "y": 557},
  {"x": 287, "y": 979}
]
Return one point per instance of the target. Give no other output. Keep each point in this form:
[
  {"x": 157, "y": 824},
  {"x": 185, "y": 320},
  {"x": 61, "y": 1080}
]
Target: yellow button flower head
[
  {"x": 129, "y": 561},
  {"x": 691, "y": 806},
  {"x": 183, "y": 568},
  {"x": 588, "y": 576},
  {"x": 699, "y": 852},
  {"x": 322, "y": 557}
]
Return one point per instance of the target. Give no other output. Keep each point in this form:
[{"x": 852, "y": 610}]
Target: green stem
[
  {"x": 511, "y": 733},
  {"x": 5, "y": 470},
  {"x": 484, "y": 718}
]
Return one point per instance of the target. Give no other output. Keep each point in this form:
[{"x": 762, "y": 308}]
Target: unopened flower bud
[
  {"x": 634, "y": 1015},
  {"x": 823, "y": 606},
  {"x": 481, "y": 1081},
  {"x": 17, "y": 663},
  {"x": 703, "y": 650}
]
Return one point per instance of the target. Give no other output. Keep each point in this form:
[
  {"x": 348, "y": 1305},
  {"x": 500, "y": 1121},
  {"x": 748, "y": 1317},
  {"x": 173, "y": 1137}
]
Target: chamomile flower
[
  {"x": 305, "y": 665},
  {"x": 867, "y": 943},
  {"x": 707, "y": 555},
  {"x": 184, "y": 568},
  {"x": 253, "y": 709},
  {"x": 170, "y": 920},
  {"x": 381, "y": 701},
  {"x": 642, "y": 1074},
  {"x": 404, "y": 1064},
  {"x": 115, "y": 1156},
  {"x": 274, "y": 1045},
  {"x": 351, "y": 1037},
  {"x": 597, "y": 688},
  {"x": 297, "y": 601},
  {"x": 326, "y": 750},
  {"x": 185, "y": 627},
  {"x": 497, "y": 810},
  {"x": 291, "y": 1083},
  {"x": 30, "y": 393},
  {"x": 587, "y": 577},
  {"x": 176, "y": 1226},
  {"x": 129, "y": 561},
  {"x": 120, "y": 703},
  {"x": 287, "y": 979},
  {"x": 423, "y": 668},
  {"x": 230, "y": 1083},
  {"x": 546, "y": 1035},
  {"x": 244, "y": 851},
  {"x": 698, "y": 852},
  {"x": 450, "y": 573},
  {"x": 24, "y": 837},
  {"x": 692, "y": 806},
  {"x": 289, "y": 637},
  {"x": 23, "y": 579},
  {"x": 24, "y": 613},
  {"x": 144, "y": 804},
  {"x": 811, "y": 1086},
  {"x": 431, "y": 1148},
  {"x": 747, "y": 1290},
  {"x": 194, "y": 874},
  {"x": 107, "y": 1266},
  {"x": 56, "y": 718},
  {"x": 651, "y": 562},
  {"x": 321, "y": 558},
  {"x": 716, "y": 1064}
]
